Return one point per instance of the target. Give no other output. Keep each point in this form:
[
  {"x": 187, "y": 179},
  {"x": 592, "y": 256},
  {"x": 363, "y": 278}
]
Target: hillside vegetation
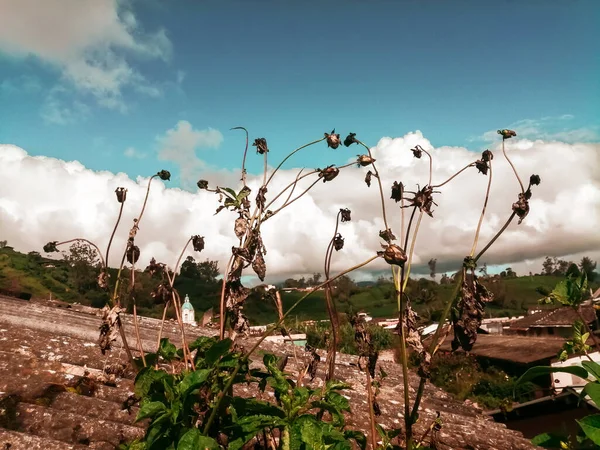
[{"x": 72, "y": 279}]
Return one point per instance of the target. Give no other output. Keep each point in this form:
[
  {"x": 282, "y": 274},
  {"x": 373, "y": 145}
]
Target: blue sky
[{"x": 290, "y": 71}]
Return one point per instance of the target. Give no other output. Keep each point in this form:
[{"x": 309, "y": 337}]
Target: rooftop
[
  {"x": 59, "y": 392},
  {"x": 554, "y": 317}
]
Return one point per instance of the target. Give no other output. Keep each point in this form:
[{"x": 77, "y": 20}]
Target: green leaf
[
  {"x": 538, "y": 371},
  {"x": 358, "y": 436},
  {"x": 245, "y": 428},
  {"x": 167, "y": 350},
  {"x": 336, "y": 385},
  {"x": 193, "y": 380},
  {"x": 591, "y": 427},
  {"x": 593, "y": 368},
  {"x": 230, "y": 191},
  {"x": 253, "y": 407},
  {"x": 242, "y": 195},
  {"x": 593, "y": 390},
  {"x": 312, "y": 434},
  {"x": 194, "y": 440},
  {"x": 214, "y": 353},
  {"x": 548, "y": 440},
  {"x": 146, "y": 378},
  {"x": 150, "y": 409}
]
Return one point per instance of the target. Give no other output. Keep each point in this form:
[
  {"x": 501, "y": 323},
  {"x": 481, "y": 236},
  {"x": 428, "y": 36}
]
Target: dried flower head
[
  {"x": 368, "y": 177},
  {"x": 487, "y": 156},
  {"x": 164, "y": 175},
  {"x": 397, "y": 191},
  {"x": 338, "y": 242},
  {"x": 121, "y": 194},
  {"x": 482, "y": 166},
  {"x": 350, "y": 139},
  {"x": 51, "y": 247},
  {"x": 417, "y": 151},
  {"x": 133, "y": 253},
  {"x": 534, "y": 180},
  {"x": 202, "y": 184},
  {"x": 103, "y": 279},
  {"x": 345, "y": 214},
  {"x": 521, "y": 206},
  {"x": 162, "y": 293},
  {"x": 329, "y": 173},
  {"x": 198, "y": 243},
  {"x": 333, "y": 140},
  {"x": 387, "y": 235},
  {"x": 364, "y": 160},
  {"x": 261, "y": 145},
  {"x": 423, "y": 199},
  {"x": 393, "y": 254},
  {"x": 154, "y": 267},
  {"x": 507, "y": 134}
]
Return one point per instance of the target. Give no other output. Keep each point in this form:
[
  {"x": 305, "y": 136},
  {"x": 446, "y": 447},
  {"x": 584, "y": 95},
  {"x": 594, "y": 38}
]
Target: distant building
[
  {"x": 187, "y": 312},
  {"x": 555, "y": 321}
]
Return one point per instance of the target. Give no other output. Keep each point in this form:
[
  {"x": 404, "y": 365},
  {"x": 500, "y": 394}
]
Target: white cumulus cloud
[
  {"x": 89, "y": 41},
  {"x": 44, "y": 199}
]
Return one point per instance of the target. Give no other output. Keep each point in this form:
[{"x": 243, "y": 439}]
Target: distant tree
[
  {"x": 291, "y": 283},
  {"x": 483, "y": 270},
  {"x": 548, "y": 266},
  {"x": 302, "y": 282},
  {"x": 208, "y": 271},
  {"x": 84, "y": 263},
  {"x": 503, "y": 274},
  {"x": 510, "y": 273},
  {"x": 562, "y": 266},
  {"x": 3, "y": 244},
  {"x": 432, "y": 265},
  {"x": 316, "y": 278},
  {"x": 588, "y": 266},
  {"x": 189, "y": 268},
  {"x": 344, "y": 287},
  {"x": 445, "y": 279},
  {"x": 573, "y": 271}
]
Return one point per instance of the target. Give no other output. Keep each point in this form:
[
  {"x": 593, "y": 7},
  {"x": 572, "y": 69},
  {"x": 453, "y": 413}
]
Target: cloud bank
[
  {"x": 90, "y": 43},
  {"x": 44, "y": 199}
]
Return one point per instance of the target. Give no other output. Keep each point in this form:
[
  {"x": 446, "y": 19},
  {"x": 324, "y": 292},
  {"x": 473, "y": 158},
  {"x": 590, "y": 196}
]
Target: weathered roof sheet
[
  {"x": 51, "y": 404},
  {"x": 561, "y": 316}
]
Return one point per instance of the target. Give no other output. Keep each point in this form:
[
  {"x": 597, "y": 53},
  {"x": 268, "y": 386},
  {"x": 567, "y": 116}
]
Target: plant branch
[
  {"x": 385, "y": 222},
  {"x": 454, "y": 176},
  {"x": 487, "y": 196},
  {"x": 513, "y": 167}
]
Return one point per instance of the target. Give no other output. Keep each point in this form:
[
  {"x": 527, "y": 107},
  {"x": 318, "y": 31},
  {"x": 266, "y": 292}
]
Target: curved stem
[
  {"x": 513, "y": 167},
  {"x": 480, "y": 254},
  {"x": 135, "y": 319},
  {"x": 373, "y": 433},
  {"x": 487, "y": 196},
  {"x": 145, "y": 201},
  {"x": 88, "y": 242},
  {"x": 385, "y": 222},
  {"x": 430, "y": 165},
  {"x": 292, "y": 201},
  {"x": 162, "y": 324},
  {"x": 172, "y": 279},
  {"x": 412, "y": 248},
  {"x": 290, "y": 155},
  {"x": 454, "y": 176},
  {"x": 245, "y": 153},
  {"x": 114, "y": 231},
  {"x": 331, "y": 304}
]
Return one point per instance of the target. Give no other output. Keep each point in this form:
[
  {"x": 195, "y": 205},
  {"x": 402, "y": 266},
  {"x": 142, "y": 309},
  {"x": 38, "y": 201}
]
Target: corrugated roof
[{"x": 560, "y": 316}]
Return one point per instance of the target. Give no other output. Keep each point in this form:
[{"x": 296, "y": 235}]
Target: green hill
[{"x": 66, "y": 281}]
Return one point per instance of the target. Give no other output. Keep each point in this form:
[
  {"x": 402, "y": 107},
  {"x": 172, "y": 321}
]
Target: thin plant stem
[
  {"x": 489, "y": 244},
  {"x": 296, "y": 198},
  {"x": 270, "y": 330},
  {"x": 135, "y": 317},
  {"x": 125, "y": 344},
  {"x": 373, "y": 433},
  {"x": 245, "y": 153},
  {"x": 385, "y": 222},
  {"x": 487, "y": 196},
  {"x": 453, "y": 176},
  {"x": 290, "y": 155},
  {"x": 114, "y": 231},
  {"x": 331, "y": 305},
  {"x": 412, "y": 249},
  {"x": 513, "y": 167},
  {"x": 223, "y": 312},
  {"x": 162, "y": 324},
  {"x": 405, "y": 380}
]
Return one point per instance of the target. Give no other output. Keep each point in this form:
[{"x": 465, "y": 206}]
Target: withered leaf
[
  {"x": 259, "y": 266},
  {"x": 133, "y": 253},
  {"x": 387, "y": 235},
  {"x": 338, "y": 242},
  {"x": 350, "y": 139},
  {"x": 240, "y": 226},
  {"x": 397, "y": 191},
  {"x": 345, "y": 214}
]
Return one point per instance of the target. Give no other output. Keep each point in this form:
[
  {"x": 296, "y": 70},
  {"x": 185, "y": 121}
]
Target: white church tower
[{"x": 187, "y": 312}]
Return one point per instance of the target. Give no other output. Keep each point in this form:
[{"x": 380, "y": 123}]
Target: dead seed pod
[
  {"x": 387, "y": 235},
  {"x": 164, "y": 175},
  {"x": 521, "y": 206},
  {"x": 417, "y": 151},
  {"x": 202, "y": 184},
  {"x": 482, "y": 166},
  {"x": 534, "y": 180},
  {"x": 198, "y": 243},
  {"x": 51, "y": 247},
  {"x": 162, "y": 293},
  {"x": 364, "y": 160},
  {"x": 368, "y": 178},
  {"x": 133, "y": 253},
  {"x": 328, "y": 173},
  {"x": 261, "y": 145},
  {"x": 121, "y": 194},
  {"x": 397, "y": 191},
  {"x": 393, "y": 254},
  {"x": 423, "y": 200},
  {"x": 350, "y": 139},
  {"x": 487, "y": 156},
  {"x": 338, "y": 242},
  {"x": 507, "y": 134},
  {"x": 333, "y": 140},
  {"x": 345, "y": 215}
]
